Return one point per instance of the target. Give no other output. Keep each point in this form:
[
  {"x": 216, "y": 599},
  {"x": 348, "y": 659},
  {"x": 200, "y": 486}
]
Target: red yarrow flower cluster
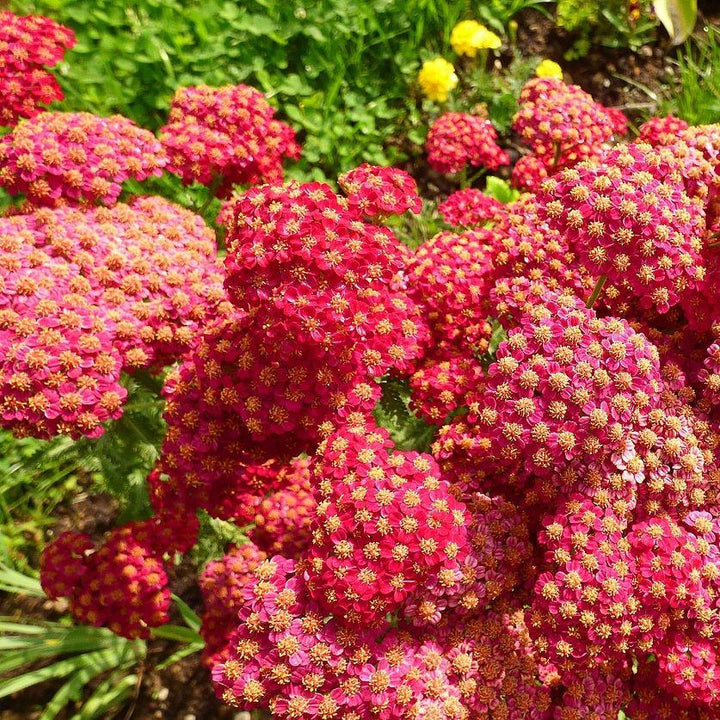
[
  {"x": 456, "y": 140},
  {"x": 629, "y": 217},
  {"x": 469, "y": 207},
  {"x": 377, "y": 192},
  {"x": 121, "y": 585},
  {"x": 561, "y": 123},
  {"x": 661, "y": 130},
  {"x": 529, "y": 172},
  {"x": 227, "y": 135},
  {"x": 222, "y": 583},
  {"x": 298, "y": 256},
  {"x": 76, "y": 157},
  {"x": 440, "y": 387},
  {"x": 29, "y": 44},
  {"x": 283, "y": 518},
  {"x": 412, "y": 527},
  {"x": 449, "y": 277}
]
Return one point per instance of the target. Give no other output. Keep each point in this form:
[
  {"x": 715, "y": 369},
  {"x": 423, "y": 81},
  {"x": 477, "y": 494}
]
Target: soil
[{"x": 183, "y": 691}]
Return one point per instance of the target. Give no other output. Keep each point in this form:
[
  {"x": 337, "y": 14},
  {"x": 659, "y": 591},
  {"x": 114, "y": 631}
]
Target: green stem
[
  {"x": 556, "y": 157},
  {"x": 599, "y": 285},
  {"x": 463, "y": 177},
  {"x": 212, "y": 192}
]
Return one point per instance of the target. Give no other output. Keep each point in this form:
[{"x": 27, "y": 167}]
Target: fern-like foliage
[
  {"x": 393, "y": 412},
  {"x": 122, "y": 458}
]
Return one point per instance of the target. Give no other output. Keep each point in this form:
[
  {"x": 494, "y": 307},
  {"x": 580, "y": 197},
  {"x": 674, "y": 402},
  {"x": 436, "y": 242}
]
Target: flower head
[
  {"x": 437, "y": 78},
  {"x": 469, "y": 207},
  {"x": 27, "y": 45},
  {"x": 469, "y": 36},
  {"x": 456, "y": 140},
  {"x": 77, "y": 158},
  {"x": 228, "y": 134},
  {"x": 628, "y": 216},
  {"x": 120, "y": 585},
  {"x": 377, "y": 192},
  {"x": 549, "y": 69}
]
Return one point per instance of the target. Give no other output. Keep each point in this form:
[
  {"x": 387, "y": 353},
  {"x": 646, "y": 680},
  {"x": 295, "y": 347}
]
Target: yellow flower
[
  {"x": 549, "y": 69},
  {"x": 468, "y": 36},
  {"x": 437, "y": 78}
]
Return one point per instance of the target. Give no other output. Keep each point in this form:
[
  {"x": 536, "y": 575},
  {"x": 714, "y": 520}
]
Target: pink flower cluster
[
  {"x": 376, "y": 192},
  {"x": 284, "y": 655},
  {"x": 59, "y": 157},
  {"x": 227, "y": 135},
  {"x": 28, "y": 45},
  {"x": 456, "y": 140},
  {"x": 85, "y": 294},
  {"x": 629, "y": 217}
]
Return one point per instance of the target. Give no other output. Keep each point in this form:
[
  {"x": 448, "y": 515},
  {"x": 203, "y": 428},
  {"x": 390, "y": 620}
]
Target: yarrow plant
[
  {"x": 478, "y": 479},
  {"x": 458, "y": 140}
]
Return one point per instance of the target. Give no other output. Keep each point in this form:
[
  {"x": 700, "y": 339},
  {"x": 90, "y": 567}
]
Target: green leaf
[
  {"x": 678, "y": 17},
  {"x": 180, "y": 654},
  {"x": 500, "y": 190},
  {"x": 176, "y": 632},
  {"x": 15, "y": 582},
  {"x": 191, "y": 618},
  {"x": 393, "y": 412},
  {"x": 71, "y": 690},
  {"x": 110, "y": 693},
  {"x": 98, "y": 662}
]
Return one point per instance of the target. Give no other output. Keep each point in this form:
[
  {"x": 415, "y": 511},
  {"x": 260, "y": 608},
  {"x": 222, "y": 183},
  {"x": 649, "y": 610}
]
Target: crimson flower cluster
[
  {"x": 457, "y": 140},
  {"x": 28, "y": 45},
  {"x": 376, "y": 192},
  {"x": 225, "y": 135},
  {"x": 629, "y": 217},
  {"x": 562, "y": 125},
  {"x": 121, "y": 585},
  {"x": 72, "y": 157},
  {"x": 469, "y": 208}
]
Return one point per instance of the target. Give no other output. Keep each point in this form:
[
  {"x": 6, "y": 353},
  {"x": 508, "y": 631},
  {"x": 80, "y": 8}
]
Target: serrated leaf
[{"x": 677, "y": 16}]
